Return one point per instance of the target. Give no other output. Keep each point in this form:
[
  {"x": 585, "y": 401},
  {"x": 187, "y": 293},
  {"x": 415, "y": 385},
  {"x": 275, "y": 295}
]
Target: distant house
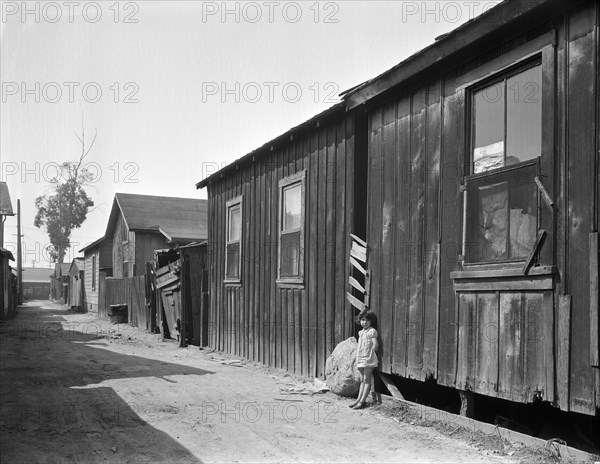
[
  {"x": 6, "y": 209},
  {"x": 59, "y": 282},
  {"x": 96, "y": 259},
  {"x": 140, "y": 224},
  {"x": 7, "y": 289},
  {"x": 76, "y": 287},
  {"x": 7, "y": 292},
  {"x": 36, "y": 283}
]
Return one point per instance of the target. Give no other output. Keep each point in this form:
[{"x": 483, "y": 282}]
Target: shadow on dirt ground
[{"x": 52, "y": 386}]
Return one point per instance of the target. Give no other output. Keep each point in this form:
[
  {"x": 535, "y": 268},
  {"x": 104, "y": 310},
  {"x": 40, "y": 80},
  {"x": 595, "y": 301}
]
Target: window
[
  {"x": 233, "y": 248},
  {"x": 93, "y": 272},
  {"x": 291, "y": 229},
  {"x": 502, "y": 217}
]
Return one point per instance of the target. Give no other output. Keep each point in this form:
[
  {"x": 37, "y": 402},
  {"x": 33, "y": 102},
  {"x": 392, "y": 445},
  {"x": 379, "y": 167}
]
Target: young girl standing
[{"x": 366, "y": 357}]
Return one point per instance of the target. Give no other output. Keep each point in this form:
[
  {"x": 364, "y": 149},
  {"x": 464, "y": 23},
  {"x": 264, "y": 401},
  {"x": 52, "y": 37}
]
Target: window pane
[
  {"x": 488, "y": 152},
  {"x": 233, "y": 260},
  {"x": 292, "y": 207},
  {"x": 523, "y": 213},
  {"x": 290, "y": 255},
  {"x": 235, "y": 220},
  {"x": 493, "y": 221},
  {"x": 502, "y": 217},
  {"x": 524, "y": 116}
]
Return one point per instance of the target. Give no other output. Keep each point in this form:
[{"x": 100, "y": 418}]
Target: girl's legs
[
  {"x": 361, "y": 370},
  {"x": 365, "y": 386}
]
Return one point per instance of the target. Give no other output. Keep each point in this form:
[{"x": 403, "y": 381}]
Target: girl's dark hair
[{"x": 369, "y": 316}]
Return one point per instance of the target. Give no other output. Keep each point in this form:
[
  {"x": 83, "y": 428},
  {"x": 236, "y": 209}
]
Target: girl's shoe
[
  {"x": 360, "y": 405},
  {"x": 353, "y": 404}
]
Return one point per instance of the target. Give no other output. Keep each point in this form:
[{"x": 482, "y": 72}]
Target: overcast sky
[{"x": 176, "y": 90}]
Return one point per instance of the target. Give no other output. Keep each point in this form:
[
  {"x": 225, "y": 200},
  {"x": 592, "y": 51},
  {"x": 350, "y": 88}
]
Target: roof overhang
[
  {"x": 92, "y": 245},
  {"x": 488, "y": 28}
]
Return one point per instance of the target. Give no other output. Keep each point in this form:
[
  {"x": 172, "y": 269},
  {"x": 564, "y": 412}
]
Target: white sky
[{"x": 174, "y": 63}]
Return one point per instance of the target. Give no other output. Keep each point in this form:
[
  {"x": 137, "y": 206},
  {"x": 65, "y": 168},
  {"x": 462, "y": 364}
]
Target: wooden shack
[
  {"x": 278, "y": 274},
  {"x": 8, "y": 294},
  {"x": 76, "y": 284},
  {"x": 481, "y": 157},
  {"x": 97, "y": 265}
]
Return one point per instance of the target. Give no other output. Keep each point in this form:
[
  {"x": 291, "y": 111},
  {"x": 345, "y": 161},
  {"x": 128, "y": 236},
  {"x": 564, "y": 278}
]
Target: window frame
[
  {"x": 500, "y": 76},
  {"x": 297, "y": 178},
  {"x": 233, "y": 203},
  {"x": 538, "y": 50}
]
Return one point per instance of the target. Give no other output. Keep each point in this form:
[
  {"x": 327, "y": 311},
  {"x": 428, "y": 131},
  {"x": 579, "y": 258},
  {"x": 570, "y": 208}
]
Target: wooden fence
[{"x": 130, "y": 291}]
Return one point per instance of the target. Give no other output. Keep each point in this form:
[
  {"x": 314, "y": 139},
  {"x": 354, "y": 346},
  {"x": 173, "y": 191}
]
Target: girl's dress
[{"x": 365, "y": 355}]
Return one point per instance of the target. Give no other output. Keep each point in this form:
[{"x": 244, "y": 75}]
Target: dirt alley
[{"x": 78, "y": 389}]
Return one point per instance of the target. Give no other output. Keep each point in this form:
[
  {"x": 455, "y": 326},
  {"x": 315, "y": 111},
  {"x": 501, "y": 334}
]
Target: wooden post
[
  {"x": 467, "y": 403},
  {"x": 563, "y": 352}
]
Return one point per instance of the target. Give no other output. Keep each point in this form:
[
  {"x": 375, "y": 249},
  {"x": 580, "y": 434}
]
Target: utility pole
[{"x": 19, "y": 262}]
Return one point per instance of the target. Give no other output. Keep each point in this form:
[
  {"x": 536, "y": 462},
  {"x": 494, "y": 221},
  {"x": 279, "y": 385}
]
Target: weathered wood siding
[
  {"x": 294, "y": 327},
  {"x": 510, "y": 341},
  {"x": 145, "y": 244}
]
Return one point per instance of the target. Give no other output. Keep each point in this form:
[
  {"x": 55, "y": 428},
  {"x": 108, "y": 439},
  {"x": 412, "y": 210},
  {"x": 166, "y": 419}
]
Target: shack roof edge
[{"x": 246, "y": 159}]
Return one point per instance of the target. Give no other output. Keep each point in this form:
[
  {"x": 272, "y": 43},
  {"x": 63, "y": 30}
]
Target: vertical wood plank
[
  {"x": 594, "y": 326},
  {"x": 432, "y": 234},
  {"x": 467, "y": 335},
  {"x": 486, "y": 369},
  {"x": 511, "y": 357},
  {"x": 401, "y": 237},
  {"x": 388, "y": 205},
  {"x": 563, "y": 352},
  {"x": 310, "y": 253},
  {"x": 417, "y": 231},
  {"x": 330, "y": 245},
  {"x": 340, "y": 233},
  {"x": 321, "y": 251}
]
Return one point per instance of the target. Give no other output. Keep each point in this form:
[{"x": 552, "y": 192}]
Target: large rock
[{"x": 341, "y": 375}]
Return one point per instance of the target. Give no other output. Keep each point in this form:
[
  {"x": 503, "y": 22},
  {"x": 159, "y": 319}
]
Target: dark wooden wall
[
  {"x": 517, "y": 337},
  {"x": 293, "y": 327}
]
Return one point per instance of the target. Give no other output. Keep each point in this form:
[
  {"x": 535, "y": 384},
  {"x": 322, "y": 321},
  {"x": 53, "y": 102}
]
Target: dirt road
[{"x": 77, "y": 389}]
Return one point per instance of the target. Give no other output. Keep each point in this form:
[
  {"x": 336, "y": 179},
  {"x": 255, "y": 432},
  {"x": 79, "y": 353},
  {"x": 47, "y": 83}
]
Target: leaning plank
[
  {"x": 543, "y": 191},
  {"x": 355, "y": 302},
  {"x": 594, "y": 325},
  {"x": 358, "y": 266},
  {"x": 358, "y": 240},
  {"x": 389, "y": 384},
  {"x": 356, "y": 285},
  {"x": 359, "y": 252},
  {"x": 163, "y": 283},
  {"x": 539, "y": 241}
]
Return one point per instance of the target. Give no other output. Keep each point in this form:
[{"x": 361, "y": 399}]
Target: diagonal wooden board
[
  {"x": 355, "y": 302},
  {"x": 356, "y": 285},
  {"x": 358, "y": 240},
  {"x": 359, "y": 252},
  {"x": 358, "y": 266}
]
